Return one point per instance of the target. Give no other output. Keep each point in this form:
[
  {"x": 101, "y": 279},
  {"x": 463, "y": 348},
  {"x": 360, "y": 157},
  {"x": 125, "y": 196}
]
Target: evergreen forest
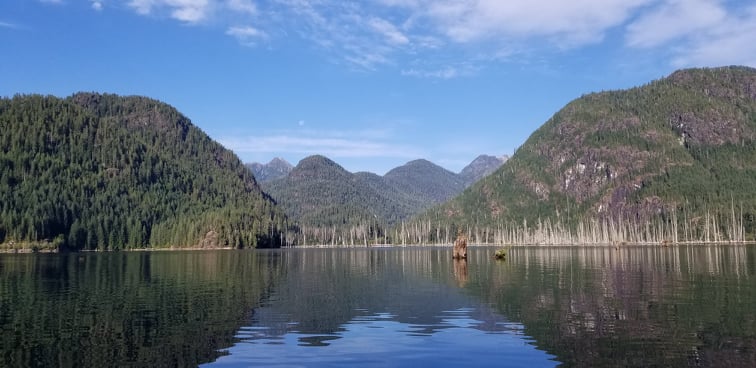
[{"x": 105, "y": 172}]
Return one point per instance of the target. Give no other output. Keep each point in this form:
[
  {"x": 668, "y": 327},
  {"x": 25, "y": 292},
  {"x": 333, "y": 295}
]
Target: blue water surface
[{"x": 380, "y": 340}]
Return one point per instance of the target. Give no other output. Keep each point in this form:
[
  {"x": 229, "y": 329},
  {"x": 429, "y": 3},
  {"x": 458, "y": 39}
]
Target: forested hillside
[
  {"x": 99, "y": 171},
  {"x": 426, "y": 181},
  {"x": 325, "y": 201},
  {"x": 674, "y": 160}
]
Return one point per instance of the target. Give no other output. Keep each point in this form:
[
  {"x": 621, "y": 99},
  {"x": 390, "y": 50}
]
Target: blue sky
[{"x": 372, "y": 83}]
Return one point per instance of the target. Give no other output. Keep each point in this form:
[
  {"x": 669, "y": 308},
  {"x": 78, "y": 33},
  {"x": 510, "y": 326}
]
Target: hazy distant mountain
[
  {"x": 276, "y": 168},
  {"x": 425, "y": 180},
  {"x": 326, "y": 201},
  {"x": 481, "y": 167},
  {"x": 320, "y": 193}
]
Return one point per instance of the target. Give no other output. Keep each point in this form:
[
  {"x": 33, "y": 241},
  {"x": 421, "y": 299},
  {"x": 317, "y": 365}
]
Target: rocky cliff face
[{"x": 678, "y": 142}]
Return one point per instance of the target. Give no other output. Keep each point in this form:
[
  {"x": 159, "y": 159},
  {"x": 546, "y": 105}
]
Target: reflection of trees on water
[
  {"x": 126, "y": 309},
  {"x": 644, "y": 306}
]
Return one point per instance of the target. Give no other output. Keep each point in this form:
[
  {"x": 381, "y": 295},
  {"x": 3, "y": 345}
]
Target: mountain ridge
[
  {"x": 678, "y": 152},
  {"x": 480, "y": 167},
  {"x": 320, "y": 194}
]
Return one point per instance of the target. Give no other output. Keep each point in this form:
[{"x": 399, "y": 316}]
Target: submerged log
[{"x": 460, "y": 247}]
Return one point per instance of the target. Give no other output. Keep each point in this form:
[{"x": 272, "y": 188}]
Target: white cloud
[
  {"x": 730, "y": 43},
  {"x": 370, "y": 34},
  {"x": 698, "y": 33},
  {"x": 143, "y": 7},
  {"x": 672, "y": 20},
  {"x": 447, "y": 72},
  {"x": 97, "y": 5},
  {"x": 247, "y": 35},
  {"x": 455, "y": 38},
  {"x": 388, "y": 31},
  {"x": 349, "y": 31},
  {"x": 189, "y": 11},
  {"x": 242, "y": 6},
  {"x": 8, "y": 25},
  {"x": 568, "y": 23}
]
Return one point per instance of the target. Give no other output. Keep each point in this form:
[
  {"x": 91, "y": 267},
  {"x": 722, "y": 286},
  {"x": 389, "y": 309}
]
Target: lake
[{"x": 543, "y": 307}]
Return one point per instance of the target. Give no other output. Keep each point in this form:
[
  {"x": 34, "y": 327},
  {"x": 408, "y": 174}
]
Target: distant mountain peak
[
  {"x": 275, "y": 169},
  {"x": 319, "y": 193},
  {"x": 481, "y": 167},
  {"x": 277, "y": 161},
  {"x": 317, "y": 166}
]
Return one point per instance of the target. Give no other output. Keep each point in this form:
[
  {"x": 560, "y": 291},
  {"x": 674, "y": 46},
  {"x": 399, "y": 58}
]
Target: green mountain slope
[
  {"x": 425, "y": 180},
  {"x": 106, "y": 172},
  {"x": 679, "y": 152},
  {"x": 324, "y": 199}
]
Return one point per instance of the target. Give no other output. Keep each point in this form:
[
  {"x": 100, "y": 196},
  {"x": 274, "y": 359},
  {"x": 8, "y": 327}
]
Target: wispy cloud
[
  {"x": 390, "y": 33},
  {"x": 242, "y": 6},
  {"x": 331, "y": 144},
  {"x": 433, "y": 38},
  {"x": 371, "y": 34},
  {"x": 97, "y": 5},
  {"x": 188, "y": 11},
  {"x": 8, "y": 25},
  {"x": 247, "y": 35},
  {"x": 699, "y": 32},
  {"x": 446, "y": 72},
  {"x": 349, "y": 30},
  {"x": 566, "y": 23},
  {"x": 672, "y": 20}
]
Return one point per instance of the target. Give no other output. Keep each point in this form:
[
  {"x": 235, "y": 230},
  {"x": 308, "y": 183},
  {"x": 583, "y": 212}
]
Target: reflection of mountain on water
[
  {"x": 326, "y": 288},
  {"x": 373, "y": 307},
  {"x": 589, "y": 306}
]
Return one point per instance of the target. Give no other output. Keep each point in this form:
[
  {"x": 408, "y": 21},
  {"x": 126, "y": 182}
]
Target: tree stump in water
[
  {"x": 460, "y": 272},
  {"x": 460, "y": 247}
]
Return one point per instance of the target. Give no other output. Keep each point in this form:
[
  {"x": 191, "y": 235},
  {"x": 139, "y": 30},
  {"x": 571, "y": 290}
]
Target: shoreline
[{"x": 32, "y": 250}]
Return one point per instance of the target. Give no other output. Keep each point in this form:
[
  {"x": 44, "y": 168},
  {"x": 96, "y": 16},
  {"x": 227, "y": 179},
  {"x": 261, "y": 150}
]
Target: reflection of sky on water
[{"x": 379, "y": 339}]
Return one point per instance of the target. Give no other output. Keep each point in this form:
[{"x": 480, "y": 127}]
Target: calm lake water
[{"x": 544, "y": 307}]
